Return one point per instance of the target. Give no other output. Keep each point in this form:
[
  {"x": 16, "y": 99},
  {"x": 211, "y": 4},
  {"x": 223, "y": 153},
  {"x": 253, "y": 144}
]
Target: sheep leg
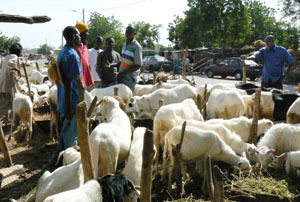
[
  {"x": 182, "y": 168},
  {"x": 13, "y": 125},
  {"x": 156, "y": 140},
  {"x": 170, "y": 172}
]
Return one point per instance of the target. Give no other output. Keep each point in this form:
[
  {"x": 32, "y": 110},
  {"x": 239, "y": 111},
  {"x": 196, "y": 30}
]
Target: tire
[
  {"x": 252, "y": 78},
  {"x": 238, "y": 75},
  {"x": 209, "y": 74}
]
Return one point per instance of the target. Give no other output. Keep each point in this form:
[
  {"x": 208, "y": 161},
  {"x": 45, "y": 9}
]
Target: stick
[
  {"x": 256, "y": 115},
  {"x": 154, "y": 78},
  {"x": 116, "y": 91},
  {"x": 84, "y": 142},
  {"x": 204, "y": 103},
  {"x": 4, "y": 148},
  {"x": 27, "y": 81},
  {"x": 218, "y": 182},
  {"x": 80, "y": 89},
  {"x": 244, "y": 72},
  {"x": 146, "y": 177},
  {"x": 157, "y": 142},
  {"x": 23, "y": 19},
  {"x": 37, "y": 66},
  {"x": 92, "y": 106},
  {"x": 183, "y": 62},
  {"x": 199, "y": 100},
  {"x": 208, "y": 178}
]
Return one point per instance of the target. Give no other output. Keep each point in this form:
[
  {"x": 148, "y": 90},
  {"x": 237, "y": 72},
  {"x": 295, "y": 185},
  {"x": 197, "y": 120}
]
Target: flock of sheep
[{"x": 223, "y": 136}]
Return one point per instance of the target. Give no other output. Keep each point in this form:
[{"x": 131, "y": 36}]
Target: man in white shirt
[{"x": 93, "y": 60}]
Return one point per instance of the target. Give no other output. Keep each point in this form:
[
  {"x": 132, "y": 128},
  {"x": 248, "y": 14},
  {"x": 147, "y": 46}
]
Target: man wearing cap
[
  {"x": 83, "y": 52},
  {"x": 131, "y": 59},
  {"x": 67, "y": 96},
  {"x": 273, "y": 58},
  {"x": 94, "y": 52},
  {"x": 8, "y": 79}
]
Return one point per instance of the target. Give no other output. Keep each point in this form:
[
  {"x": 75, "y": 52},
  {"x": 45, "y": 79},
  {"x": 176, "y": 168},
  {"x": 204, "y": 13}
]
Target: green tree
[
  {"x": 291, "y": 8},
  {"x": 174, "y": 29},
  {"x": 45, "y": 49},
  {"x": 146, "y": 34},
  {"x": 6, "y": 42},
  {"x": 100, "y": 25}
]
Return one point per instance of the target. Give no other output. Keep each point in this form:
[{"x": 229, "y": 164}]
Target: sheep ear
[
  {"x": 271, "y": 151},
  {"x": 132, "y": 100}
]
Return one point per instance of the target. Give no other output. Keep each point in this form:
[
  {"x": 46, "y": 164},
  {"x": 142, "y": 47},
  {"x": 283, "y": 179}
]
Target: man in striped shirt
[{"x": 131, "y": 60}]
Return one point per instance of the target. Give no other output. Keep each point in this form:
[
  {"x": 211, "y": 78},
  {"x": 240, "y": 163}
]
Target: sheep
[
  {"x": 140, "y": 90},
  {"x": 197, "y": 145},
  {"x": 133, "y": 166},
  {"x": 110, "y": 140},
  {"x": 53, "y": 111},
  {"x": 124, "y": 92},
  {"x": 225, "y": 104},
  {"x": 292, "y": 162},
  {"x": 163, "y": 85},
  {"x": 178, "y": 81},
  {"x": 293, "y": 114},
  {"x": 109, "y": 188},
  {"x": 267, "y": 105},
  {"x": 37, "y": 77},
  {"x": 150, "y": 103},
  {"x": 22, "y": 110},
  {"x": 70, "y": 155},
  {"x": 242, "y": 125},
  {"x": 42, "y": 88},
  {"x": 278, "y": 139},
  {"x": 62, "y": 179},
  {"x": 22, "y": 81}
]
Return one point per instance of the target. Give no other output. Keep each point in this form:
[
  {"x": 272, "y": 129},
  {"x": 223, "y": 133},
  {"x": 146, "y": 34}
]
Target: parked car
[
  {"x": 153, "y": 63},
  {"x": 233, "y": 67}
]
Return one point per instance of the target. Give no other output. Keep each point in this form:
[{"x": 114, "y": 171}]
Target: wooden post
[
  {"x": 183, "y": 62},
  {"x": 244, "y": 72},
  {"x": 80, "y": 89},
  {"x": 84, "y": 142},
  {"x": 208, "y": 178},
  {"x": 37, "y": 66},
  {"x": 218, "y": 185},
  {"x": 154, "y": 78},
  {"x": 92, "y": 106},
  {"x": 157, "y": 142},
  {"x": 4, "y": 148},
  {"x": 116, "y": 91},
  {"x": 27, "y": 80},
  {"x": 199, "y": 105},
  {"x": 255, "y": 117},
  {"x": 146, "y": 177},
  {"x": 204, "y": 103}
]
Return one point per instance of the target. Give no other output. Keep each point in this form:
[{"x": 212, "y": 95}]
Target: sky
[{"x": 126, "y": 11}]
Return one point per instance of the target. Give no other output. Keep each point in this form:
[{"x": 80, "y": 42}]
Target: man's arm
[
  {"x": 133, "y": 68},
  {"x": 68, "y": 97},
  {"x": 99, "y": 65}
]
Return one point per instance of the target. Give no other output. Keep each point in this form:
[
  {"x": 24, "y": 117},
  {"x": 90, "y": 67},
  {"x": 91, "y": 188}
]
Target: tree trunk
[{"x": 23, "y": 19}]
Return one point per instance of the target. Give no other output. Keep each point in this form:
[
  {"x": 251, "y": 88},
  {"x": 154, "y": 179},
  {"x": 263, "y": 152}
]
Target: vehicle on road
[
  {"x": 233, "y": 67},
  {"x": 153, "y": 63}
]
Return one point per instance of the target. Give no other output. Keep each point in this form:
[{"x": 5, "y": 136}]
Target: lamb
[
  {"x": 133, "y": 166},
  {"x": 109, "y": 188},
  {"x": 225, "y": 104},
  {"x": 279, "y": 139},
  {"x": 293, "y": 114},
  {"x": 62, "y": 179},
  {"x": 197, "y": 145},
  {"x": 110, "y": 140},
  {"x": 124, "y": 92},
  {"x": 242, "y": 125},
  {"x": 37, "y": 77},
  {"x": 22, "y": 110},
  {"x": 70, "y": 155},
  {"x": 150, "y": 103}
]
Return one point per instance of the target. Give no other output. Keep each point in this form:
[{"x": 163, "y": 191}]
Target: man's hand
[{"x": 107, "y": 64}]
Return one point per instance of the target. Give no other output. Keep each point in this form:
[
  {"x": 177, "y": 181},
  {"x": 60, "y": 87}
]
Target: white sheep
[
  {"x": 150, "y": 103},
  {"x": 62, "y": 179},
  {"x": 178, "y": 81},
  {"x": 225, "y": 104},
  {"x": 36, "y": 77},
  {"x": 42, "y": 88},
  {"x": 22, "y": 110},
  {"x": 163, "y": 85},
  {"x": 108, "y": 188},
  {"x": 124, "y": 92},
  {"x": 133, "y": 166},
  {"x": 110, "y": 140},
  {"x": 242, "y": 125},
  {"x": 293, "y": 114},
  {"x": 267, "y": 105},
  {"x": 140, "y": 90},
  {"x": 69, "y": 155},
  {"x": 292, "y": 162},
  {"x": 53, "y": 111},
  {"x": 197, "y": 145},
  {"x": 278, "y": 139}
]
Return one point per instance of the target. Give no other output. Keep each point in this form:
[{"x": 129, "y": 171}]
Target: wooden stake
[
  {"x": 27, "y": 81},
  {"x": 218, "y": 185},
  {"x": 84, "y": 142},
  {"x": 37, "y": 66},
  {"x": 146, "y": 177},
  {"x": 199, "y": 105},
  {"x": 157, "y": 142},
  {"x": 4, "y": 148},
  {"x": 208, "y": 178},
  {"x": 183, "y": 62},
  {"x": 92, "y": 106},
  {"x": 116, "y": 91},
  {"x": 154, "y": 78},
  {"x": 244, "y": 72},
  {"x": 256, "y": 115},
  {"x": 204, "y": 103},
  {"x": 80, "y": 89}
]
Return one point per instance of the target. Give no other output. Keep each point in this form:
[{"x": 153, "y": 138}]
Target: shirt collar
[
  {"x": 133, "y": 41},
  {"x": 272, "y": 49}
]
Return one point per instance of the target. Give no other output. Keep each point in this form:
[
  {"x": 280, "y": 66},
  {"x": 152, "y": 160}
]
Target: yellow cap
[{"x": 82, "y": 27}]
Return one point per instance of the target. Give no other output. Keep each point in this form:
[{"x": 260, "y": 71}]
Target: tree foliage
[
  {"x": 291, "y": 8},
  {"x": 6, "y": 42},
  {"x": 45, "y": 49}
]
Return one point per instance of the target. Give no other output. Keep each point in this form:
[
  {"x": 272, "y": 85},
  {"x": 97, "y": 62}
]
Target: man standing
[
  {"x": 8, "y": 80},
  {"x": 67, "y": 97},
  {"x": 94, "y": 52},
  {"x": 273, "y": 58},
  {"x": 107, "y": 63},
  {"x": 131, "y": 60},
  {"x": 83, "y": 52}
]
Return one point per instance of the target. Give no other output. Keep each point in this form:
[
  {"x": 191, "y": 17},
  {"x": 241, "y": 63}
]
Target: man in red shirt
[{"x": 83, "y": 53}]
